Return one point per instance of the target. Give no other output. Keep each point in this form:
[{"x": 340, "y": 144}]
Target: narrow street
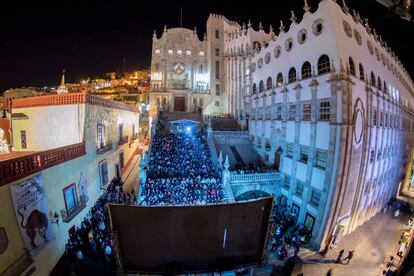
[{"x": 374, "y": 243}]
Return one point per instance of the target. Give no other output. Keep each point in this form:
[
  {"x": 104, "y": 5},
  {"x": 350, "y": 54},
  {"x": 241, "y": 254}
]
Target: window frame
[{"x": 76, "y": 200}]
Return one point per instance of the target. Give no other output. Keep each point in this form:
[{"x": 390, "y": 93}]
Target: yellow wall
[{"x": 58, "y": 177}]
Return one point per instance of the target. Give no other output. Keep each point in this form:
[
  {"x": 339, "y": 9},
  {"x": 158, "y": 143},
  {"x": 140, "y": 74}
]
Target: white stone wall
[{"x": 49, "y": 127}]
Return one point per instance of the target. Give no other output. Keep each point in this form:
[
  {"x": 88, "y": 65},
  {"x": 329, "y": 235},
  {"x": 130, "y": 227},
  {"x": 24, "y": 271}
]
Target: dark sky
[{"x": 39, "y": 39}]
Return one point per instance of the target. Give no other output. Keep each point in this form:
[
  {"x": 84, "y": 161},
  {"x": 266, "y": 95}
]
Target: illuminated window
[
  {"x": 101, "y": 136},
  {"x": 279, "y": 80},
  {"x": 299, "y": 188},
  {"x": 292, "y": 111},
  {"x": 324, "y": 65},
  {"x": 324, "y": 111},
  {"x": 289, "y": 150},
  {"x": 278, "y": 112},
  {"x": 261, "y": 86},
  {"x": 179, "y": 52},
  {"x": 188, "y": 52},
  {"x": 286, "y": 182},
  {"x": 170, "y": 52},
  {"x": 201, "y": 54},
  {"x": 292, "y": 75},
  {"x": 306, "y": 111},
  {"x": 157, "y": 51},
  {"x": 269, "y": 83},
  {"x": 321, "y": 157},
  {"x": 315, "y": 198},
  {"x": 306, "y": 70},
  {"x": 304, "y": 154}
]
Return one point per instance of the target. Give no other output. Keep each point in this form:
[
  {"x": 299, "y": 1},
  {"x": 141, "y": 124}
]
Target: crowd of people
[
  {"x": 180, "y": 169},
  {"x": 257, "y": 167},
  {"x": 92, "y": 239},
  {"x": 287, "y": 233}
]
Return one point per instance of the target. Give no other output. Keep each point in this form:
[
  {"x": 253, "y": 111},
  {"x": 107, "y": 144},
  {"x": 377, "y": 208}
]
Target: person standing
[
  {"x": 340, "y": 255},
  {"x": 350, "y": 256}
]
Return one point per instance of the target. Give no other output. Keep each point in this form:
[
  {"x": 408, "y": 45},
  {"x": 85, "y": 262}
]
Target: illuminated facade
[
  {"x": 331, "y": 106},
  {"x": 325, "y": 100},
  {"x": 187, "y": 73}
]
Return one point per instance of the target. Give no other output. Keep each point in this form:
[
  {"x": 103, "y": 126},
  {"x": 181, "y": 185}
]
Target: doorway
[
  {"x": 179, "y": 103},
  {"x": 117, "y": 170},
  {"x": 277, "y": 160}
]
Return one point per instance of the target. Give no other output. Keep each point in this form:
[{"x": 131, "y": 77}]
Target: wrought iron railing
[{"x": 104, "y": 148}]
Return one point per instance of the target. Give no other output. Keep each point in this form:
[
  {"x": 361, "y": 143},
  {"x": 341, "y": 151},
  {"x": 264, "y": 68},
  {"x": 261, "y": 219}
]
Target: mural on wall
[
  {"x": 4, "y": 241},
  {"x": 83, "y": 188},
  {"x": 29, "y": 201}
]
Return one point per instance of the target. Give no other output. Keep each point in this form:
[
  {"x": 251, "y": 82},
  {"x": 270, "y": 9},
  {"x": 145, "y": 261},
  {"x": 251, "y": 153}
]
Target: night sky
[{"x": 39, "y": 39}]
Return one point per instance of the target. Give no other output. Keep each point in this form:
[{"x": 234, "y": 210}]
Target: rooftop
[{"x": 70, "y": 98}]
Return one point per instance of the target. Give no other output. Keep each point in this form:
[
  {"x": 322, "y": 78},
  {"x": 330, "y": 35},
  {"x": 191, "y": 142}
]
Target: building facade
[
  {"x": 187, "y": 73},
  {"x": 330, "y": 106},
  {"x": 75, "y": 144}
]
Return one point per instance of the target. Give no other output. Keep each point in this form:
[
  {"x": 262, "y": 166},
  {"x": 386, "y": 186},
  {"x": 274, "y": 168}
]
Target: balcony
[
  {"x": 104, "y": 148},
  {"x": 123, "y": 140},
  {"x": 68, "y": 215},
  {"x": 17, "y": 168}
]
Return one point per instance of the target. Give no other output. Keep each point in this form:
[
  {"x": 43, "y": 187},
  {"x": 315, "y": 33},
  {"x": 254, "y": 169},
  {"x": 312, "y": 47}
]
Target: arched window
[
  {"x": 292, "y": 75},
  {"x": 269, "y": 83},
  {"x": 254, "y": 89},
  {"x": 379, "y": 84},
  {"x": 351, "y": 66},
  {"x": 306, "y": 70},
  {"x": 385, "y": 87},
  {"x": 279, "y": 80},
  {"x": 261, "y": 86},
  {"x": 324, "y": 65},
  {"x": 373, "y": 79},
  {"x": 361, "y": 72}
]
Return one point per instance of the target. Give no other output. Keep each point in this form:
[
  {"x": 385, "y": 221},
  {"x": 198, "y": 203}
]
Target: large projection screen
[{"x": 191, "y": 238}]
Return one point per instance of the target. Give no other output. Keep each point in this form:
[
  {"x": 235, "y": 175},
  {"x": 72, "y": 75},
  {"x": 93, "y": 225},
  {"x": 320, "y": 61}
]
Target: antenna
[{"x": 181, "y": 17}]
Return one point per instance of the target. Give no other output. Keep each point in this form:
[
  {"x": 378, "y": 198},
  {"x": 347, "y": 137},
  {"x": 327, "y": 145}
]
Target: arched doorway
[{"x": 251, "y": 195}]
